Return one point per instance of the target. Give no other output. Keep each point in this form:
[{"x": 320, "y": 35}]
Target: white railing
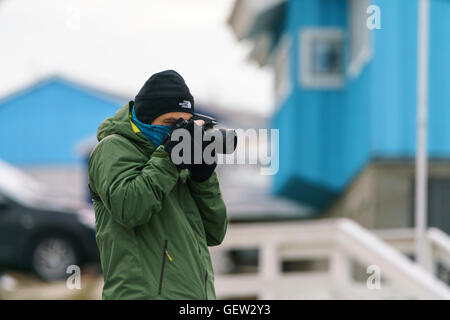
[
  {"x": 438, "y": 243},
  {"x": 341, "y": 242}
]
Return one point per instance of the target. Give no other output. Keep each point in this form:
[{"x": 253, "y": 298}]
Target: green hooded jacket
[{"x": 153, "y": 223}]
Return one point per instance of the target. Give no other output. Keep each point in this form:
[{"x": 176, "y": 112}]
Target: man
[{"x": 154, "y": 219}]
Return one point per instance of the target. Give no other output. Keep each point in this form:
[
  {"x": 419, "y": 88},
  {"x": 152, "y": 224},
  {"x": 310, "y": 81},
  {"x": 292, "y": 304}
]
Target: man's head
[
  {"x": 168, "y": 119},
  {"x": 163, "y": 99}
]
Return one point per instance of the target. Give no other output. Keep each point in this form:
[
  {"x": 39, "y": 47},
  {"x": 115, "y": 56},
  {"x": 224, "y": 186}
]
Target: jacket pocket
[{"x": 165, "y": 256}]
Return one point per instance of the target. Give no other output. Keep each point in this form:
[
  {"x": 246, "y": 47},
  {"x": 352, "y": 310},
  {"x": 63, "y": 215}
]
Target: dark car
[{"x": 41, "y": 233}]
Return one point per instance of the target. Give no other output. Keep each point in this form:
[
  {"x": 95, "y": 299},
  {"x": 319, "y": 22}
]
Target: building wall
[
  {"x": 307, "y": 118},
  {"x": 329, "y": 136},
  {"x": 358, "y": 202},
  {"x": 382, "y": 195},
  {"x": 42, "y": 125},
  {"x": 439, "y": 97}
]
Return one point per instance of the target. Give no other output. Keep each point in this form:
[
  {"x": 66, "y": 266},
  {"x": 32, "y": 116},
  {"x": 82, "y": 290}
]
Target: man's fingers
[
  {"x": 199, "y": 122},
  {"x": 179, "y": 121}
]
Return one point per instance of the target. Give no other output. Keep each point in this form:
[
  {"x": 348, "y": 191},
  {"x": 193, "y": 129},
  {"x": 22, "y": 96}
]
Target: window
[
  {"x": 360, "y": 42},
  {"x": 321, "y": 58},
  {"x": 437, "y": 214},
  {"x": 3, "y": 200},
  {"x": 438, "y": 203}
]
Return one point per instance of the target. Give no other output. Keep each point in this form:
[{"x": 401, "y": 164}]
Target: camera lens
[{"x": 228, "y": 138}]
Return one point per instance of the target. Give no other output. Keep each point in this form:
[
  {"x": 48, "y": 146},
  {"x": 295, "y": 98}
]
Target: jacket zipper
[
  {"x": 206, "y": 285},
  {"x": 165, "y": 254}
]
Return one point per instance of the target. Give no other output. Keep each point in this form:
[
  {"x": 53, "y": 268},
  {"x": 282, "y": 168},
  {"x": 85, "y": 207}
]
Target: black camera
[{"x": 228, "y": 136}]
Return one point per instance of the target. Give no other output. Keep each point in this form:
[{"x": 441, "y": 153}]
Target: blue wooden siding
[
  {"x": 327, "y": 137},
  {"x": 42, "y": 124}
]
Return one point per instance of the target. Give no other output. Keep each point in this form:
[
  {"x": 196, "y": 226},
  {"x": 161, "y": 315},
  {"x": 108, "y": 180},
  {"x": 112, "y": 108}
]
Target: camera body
[{"x": 229, "y": 136}]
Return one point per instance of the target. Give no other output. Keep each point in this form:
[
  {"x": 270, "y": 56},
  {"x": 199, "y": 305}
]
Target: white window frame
[
  {"x": 282, "y": 69},
  {"x": 307, "y": 78},
  {"x": 360, "y": 49}
]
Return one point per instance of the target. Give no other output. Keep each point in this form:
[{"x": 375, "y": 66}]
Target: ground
[{"x": 18, "y": 286}]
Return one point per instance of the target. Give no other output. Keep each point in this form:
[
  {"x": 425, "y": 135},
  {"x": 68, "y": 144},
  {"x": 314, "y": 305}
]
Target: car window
[
  {"x": 3, "y": 200},
  {"x": 17, "y": 185}
]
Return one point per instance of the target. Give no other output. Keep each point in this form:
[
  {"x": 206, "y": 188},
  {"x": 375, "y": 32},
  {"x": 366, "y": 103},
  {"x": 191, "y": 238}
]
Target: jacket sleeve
[
  {"x": 213, "y": 211},
  {"x": 131, "y": 190}
]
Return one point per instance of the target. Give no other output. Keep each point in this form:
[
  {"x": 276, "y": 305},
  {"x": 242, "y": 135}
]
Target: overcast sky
[{"x": 117, "y": 45}]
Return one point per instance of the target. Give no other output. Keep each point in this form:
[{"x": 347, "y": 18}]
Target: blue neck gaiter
[{"x": 155, "y": 133}]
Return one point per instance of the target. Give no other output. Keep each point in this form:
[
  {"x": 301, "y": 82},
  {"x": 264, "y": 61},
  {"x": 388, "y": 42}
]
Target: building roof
[
  {"x": 260, "y": 21},
  {"x": 247, "y": 195}
]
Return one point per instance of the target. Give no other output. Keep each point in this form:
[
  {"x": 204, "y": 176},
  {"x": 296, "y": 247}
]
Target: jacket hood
[{"x": 120, "y": 124}]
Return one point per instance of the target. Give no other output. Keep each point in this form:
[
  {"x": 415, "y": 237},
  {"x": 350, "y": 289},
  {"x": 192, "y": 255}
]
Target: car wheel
[{"x": 51, "y": 255}]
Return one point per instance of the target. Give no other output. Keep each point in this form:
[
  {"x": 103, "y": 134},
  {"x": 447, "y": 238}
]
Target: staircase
[{"x": 385, "y": 269}]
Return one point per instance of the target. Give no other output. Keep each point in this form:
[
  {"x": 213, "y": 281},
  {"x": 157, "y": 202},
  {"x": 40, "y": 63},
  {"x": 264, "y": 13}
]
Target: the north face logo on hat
[{"x": 185, "y": 104}]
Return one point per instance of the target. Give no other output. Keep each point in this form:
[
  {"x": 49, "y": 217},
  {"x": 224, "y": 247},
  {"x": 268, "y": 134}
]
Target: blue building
[
  {"x": 346, "y": 93},
  {"x": 41, "y": 125}
]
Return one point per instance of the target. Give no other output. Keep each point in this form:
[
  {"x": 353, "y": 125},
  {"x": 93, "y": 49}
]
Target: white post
[
  {"x": 421, "y": 153},
  {"x": 269, "y": 268}
]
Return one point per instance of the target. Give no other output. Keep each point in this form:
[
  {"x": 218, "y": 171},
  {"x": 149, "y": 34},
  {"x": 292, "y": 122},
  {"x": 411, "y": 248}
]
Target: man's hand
[
  {"x": 169, "y": 144},
  {"x": 195, "y": 146},
  {"x": 202, "y": 171},
  {"x": 199, "y": 172}
]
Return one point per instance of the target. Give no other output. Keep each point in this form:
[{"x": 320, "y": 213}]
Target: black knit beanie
[{"x": 164, "y": 92}]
